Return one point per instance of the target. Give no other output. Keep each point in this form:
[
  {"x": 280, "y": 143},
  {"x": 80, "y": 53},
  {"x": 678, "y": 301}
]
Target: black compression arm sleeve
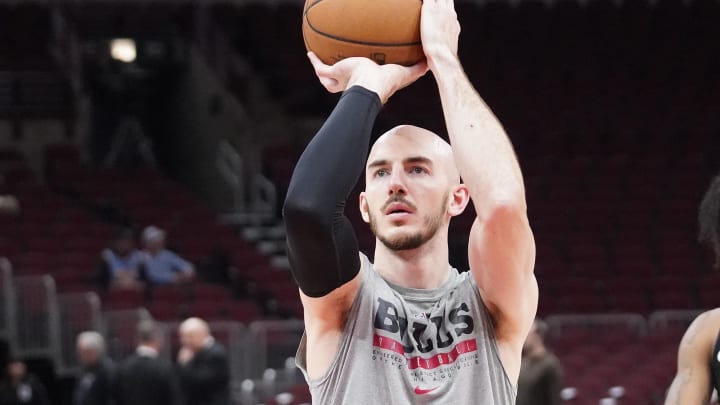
[{"x": 322, "y": 246}]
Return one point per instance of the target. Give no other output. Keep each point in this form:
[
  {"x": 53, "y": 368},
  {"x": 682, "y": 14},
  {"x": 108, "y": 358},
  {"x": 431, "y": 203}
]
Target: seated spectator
[
  {"x": 161, "y": 266},
  {"x": 20, "y": 387},
  {"x": 120, "y": 263}
]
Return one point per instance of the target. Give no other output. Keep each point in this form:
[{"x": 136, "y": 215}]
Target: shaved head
[
  {"x": 194, "y": 324},
  {"x": 437, "y": 149},
  {"x": 90, "y": 347},
  {"x": 194, "y": 333}
]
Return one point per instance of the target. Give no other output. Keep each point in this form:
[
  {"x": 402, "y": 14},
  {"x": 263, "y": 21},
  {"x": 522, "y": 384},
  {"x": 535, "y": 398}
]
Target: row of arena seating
[
  {"x": 41, "y": 324},
  {"x": 599, "y": 357},
  {"x": 62, "y": 229}
]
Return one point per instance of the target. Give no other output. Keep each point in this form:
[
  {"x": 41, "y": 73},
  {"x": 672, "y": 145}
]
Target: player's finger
[
  {"x": 414, "y": 72},
  {"x": 321, "y": 69},
  {"x": 420, "y": 68},
  {"x": 313, "y": 58}
]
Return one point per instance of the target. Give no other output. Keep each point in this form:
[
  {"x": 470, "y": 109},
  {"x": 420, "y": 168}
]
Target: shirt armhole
[
  {"x": 347, "y": 334},
  {"x": 488, "y": 324}
]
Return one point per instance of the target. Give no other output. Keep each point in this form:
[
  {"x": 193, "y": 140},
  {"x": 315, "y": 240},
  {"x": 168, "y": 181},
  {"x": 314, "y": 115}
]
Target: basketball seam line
[
  {"x": 311, "y": 5},
  {"x": 351, "y": 41}
]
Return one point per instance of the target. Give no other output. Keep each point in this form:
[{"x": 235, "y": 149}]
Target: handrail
[
  {"x": 9, "y": 328},
  {"x": 635, "y": 322},
  {"x": 39, "y": 317},
  {"x": 79, "y": 312},
  {"x": 230, "y": 165},
  {"x": 663, "y": 319},
  {"x": 258, "y": 199},
  {"x": 264, "y": 194}
]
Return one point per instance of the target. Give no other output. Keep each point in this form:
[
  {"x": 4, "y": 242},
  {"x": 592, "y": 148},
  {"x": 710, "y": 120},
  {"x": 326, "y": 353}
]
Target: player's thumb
[
  {"x": 420, "y": 68},
  {"x": 416, "y": 71}
]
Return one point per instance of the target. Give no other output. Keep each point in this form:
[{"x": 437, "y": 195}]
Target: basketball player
[
  {"x": 408, "y": 328},
  {"x": 698, "y": 370}
]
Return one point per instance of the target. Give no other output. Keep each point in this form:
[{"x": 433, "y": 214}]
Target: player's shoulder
[
  {"x": 709, "y": 319},
  {"x": 702, "y": 332}
]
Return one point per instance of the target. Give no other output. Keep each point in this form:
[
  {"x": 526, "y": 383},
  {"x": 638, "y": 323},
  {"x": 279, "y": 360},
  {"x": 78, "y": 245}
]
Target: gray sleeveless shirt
[{"x": 410, "y": 346}]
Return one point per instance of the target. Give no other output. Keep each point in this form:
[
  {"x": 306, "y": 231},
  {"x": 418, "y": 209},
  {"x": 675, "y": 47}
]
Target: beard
[{"x": 431, "y": 224}]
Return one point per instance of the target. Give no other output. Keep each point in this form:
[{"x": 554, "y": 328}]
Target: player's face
[{"x": 407, "y": 189}]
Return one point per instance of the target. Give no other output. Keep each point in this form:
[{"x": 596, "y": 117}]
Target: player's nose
[{"x": 396, "y": 185}]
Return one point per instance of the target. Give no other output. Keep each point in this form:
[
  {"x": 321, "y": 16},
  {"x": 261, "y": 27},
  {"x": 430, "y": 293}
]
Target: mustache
[{"x": 397, "y": 199}]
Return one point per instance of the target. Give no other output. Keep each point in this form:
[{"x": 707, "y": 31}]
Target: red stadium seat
[
  {"x": 170, "y": 294},
  {"x": 165, "y": 311},
  {"x": 245, "y": 311},
  {"x": 210, "y": 292},
  {"x": 122, "y": 298},
  {"x": 209, "y": 310}
]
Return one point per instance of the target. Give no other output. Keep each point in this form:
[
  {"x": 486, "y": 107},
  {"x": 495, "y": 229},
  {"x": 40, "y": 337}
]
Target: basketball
[{"x": 386, "y": 31}]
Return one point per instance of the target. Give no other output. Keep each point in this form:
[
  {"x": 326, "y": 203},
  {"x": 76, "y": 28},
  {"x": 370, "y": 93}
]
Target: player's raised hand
[
  {"x": 384, "y": 80},
  {"x": 439, "y": 31}
]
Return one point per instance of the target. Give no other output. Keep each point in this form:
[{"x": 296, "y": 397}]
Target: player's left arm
[
  {"x": 693, "y": 383},
  {"x": 501, "y": 249}
]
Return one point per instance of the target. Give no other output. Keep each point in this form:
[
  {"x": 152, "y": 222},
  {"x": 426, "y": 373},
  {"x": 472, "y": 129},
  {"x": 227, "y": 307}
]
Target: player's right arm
[
  {"x": 692, "y": 383},
  {"x": 322, "y": 247}
]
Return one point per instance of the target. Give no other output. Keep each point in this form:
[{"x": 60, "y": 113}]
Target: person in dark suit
[
  {"x": 144, "y": 378},
  {"x": 541, "y": 376},
  {"x": 93, "y": 385},
  {"x": 203, "y": 365},
  {"x": 21, "y": 387}
]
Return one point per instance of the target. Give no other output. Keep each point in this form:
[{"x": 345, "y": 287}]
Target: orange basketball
[{"x": 386, "y": 31}]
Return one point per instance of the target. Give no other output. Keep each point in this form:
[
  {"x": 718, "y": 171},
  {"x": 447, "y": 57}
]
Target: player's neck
[{"x": 426, "y": 267}]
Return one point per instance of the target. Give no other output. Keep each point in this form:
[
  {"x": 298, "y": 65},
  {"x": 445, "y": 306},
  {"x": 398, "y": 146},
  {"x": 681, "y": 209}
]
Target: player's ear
[
  {"x": 364, "y": 208},
  {"x": 458, "y": 200}
]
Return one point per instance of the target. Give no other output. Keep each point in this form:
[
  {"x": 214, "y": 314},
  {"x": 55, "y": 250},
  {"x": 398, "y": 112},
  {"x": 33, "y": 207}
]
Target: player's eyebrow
[
  {"x": 377, "y": 163},
  {"x": 412, "y": 159},
  {"x": 419, "y": 159}
]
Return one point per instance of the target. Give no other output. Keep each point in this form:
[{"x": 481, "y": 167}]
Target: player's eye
[
  {"x": 418, "y": 170},
  {"x": 381, "y": 173}
]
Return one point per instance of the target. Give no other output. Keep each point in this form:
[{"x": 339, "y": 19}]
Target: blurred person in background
[
  {"x": 160, "y": 265},
  {"x": 120, "y": 263},
  {"x": 203, "y": 365},
  {"x": 93, "y": 385},
  {"x": 144, "y": 378},
  {"x": 20, "y": 387},
  {"x": 698, "y": 364},
  {"x": 541, "y": 377},
  {"x": 9, "y": 205}
]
